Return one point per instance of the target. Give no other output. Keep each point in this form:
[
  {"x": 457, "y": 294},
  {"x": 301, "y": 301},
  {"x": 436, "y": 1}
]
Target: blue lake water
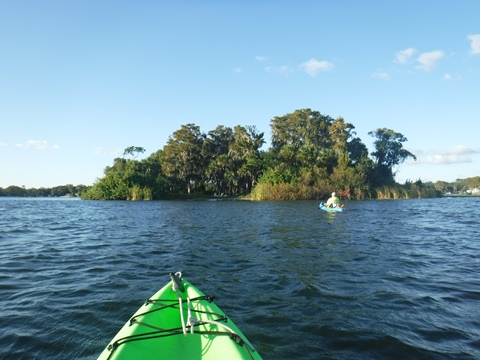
[{"x": 381, "y": 280}]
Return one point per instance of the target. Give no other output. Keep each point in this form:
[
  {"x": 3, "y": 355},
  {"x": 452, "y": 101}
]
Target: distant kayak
[
  {"x": 323, "y": 207},
  {"x": 179, "y": 322}
]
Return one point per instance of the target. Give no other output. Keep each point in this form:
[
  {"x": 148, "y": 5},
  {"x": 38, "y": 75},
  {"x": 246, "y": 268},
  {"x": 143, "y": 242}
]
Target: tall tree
[
  {"x": 217, "y": 141},
  {"x": 389, "y": 152},
  {"x": 244, "y": 151},
  {"x": 134, "y": 151},
  {"x": 303, "y": 132},
  {"x": 340, "y": 132},
  {"x": 215, "y": 150},
  {"x": 357, "y": 150},
  {"x": 183, "y": 157}
]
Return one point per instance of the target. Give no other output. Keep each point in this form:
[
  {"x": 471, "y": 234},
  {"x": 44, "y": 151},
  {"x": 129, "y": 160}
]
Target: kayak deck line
[
  {"x": 153, "y": 301},
  {"x": 171, "y": 332},
  {"x": 205, "y": 327},
  {"x": 174, "y": 303},
  {"x": 179, "y": 331}
]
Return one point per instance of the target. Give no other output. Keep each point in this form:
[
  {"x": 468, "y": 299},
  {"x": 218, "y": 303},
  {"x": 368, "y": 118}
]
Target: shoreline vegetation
[
  {"x": 310, "y": 156},
  {"x": 395, "y": 193}
]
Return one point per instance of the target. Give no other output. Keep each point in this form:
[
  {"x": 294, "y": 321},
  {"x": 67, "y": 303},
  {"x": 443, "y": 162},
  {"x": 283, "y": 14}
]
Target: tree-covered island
[{"x": 311, "y": 155}]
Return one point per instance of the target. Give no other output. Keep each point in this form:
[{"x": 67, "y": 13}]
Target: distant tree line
[
  {"x": 458, "y": 186},
  {"x": 310, "y": 156},
  {"x": 62, "y": 190}
]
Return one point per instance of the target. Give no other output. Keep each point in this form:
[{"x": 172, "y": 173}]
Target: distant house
[{"x": 476, "y": 191}]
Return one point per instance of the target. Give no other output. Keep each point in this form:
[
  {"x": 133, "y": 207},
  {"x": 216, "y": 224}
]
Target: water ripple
[{"x": 382, "y": 280}]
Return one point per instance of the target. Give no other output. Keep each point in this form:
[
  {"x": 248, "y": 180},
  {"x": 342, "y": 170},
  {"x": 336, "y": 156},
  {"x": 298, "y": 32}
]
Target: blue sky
[{"x": 82, "y": 80}]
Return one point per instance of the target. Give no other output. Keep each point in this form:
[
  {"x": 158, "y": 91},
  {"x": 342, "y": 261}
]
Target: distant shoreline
[{"x": 462, "y": 195}]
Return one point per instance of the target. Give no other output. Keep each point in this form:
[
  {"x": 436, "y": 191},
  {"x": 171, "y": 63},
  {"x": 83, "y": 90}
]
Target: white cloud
[
  {"x": 40, "y": 145},
  {"x": 444, "y": 159},
  {"x": 428, "y": 60},
  {"x": 313, "y": 67},
  {"x": 460, "y": 154},
  {"x": 238, "y": 70},
  {"x": 462, "y": 149},
  {"x": 2, "y": 144},
  {"x": 474, "y": 43},
  {"x": 404, "y": 56},
  {"x": 260, "y": 58}
]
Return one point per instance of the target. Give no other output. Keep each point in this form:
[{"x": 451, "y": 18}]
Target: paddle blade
[{"x": 344, "y": 193}]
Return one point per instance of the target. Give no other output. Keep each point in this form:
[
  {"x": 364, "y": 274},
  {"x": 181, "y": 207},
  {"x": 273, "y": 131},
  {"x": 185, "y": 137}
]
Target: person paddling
[{"x": 333, "y": 201}]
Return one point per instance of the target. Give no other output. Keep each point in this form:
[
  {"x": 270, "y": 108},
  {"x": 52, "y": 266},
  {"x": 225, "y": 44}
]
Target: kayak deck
[{"x": 179, "y": 322}]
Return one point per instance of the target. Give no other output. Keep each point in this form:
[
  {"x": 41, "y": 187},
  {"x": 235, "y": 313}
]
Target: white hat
[{"x": 334, "y": 193}]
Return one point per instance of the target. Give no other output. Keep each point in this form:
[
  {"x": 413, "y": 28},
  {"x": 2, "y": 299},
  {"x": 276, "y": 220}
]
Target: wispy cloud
[
  {"x": 451, "y": 77},
  {"x": 40, "y": 145},
  {"x": 404, "y": 56},
  {"x": 238, "y": 70},
  {"x": 284, "y": 69},
  {"x": 428, "y": 60},
  {"x": 460, "y": 154},
  {"x": 2, "y": 144},
  {"x": 474, "y": 43},
  {"x": 425, "y": 61},
  {"x": 447, "y": 77},
  {"x": 313, "y": 67},
  {"x": 383, "y": 75}
]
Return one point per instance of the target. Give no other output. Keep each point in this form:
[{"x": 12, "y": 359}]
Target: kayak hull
[
  {"x": 325, "y": 208},
  {"x": 158, "y": 331}
]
